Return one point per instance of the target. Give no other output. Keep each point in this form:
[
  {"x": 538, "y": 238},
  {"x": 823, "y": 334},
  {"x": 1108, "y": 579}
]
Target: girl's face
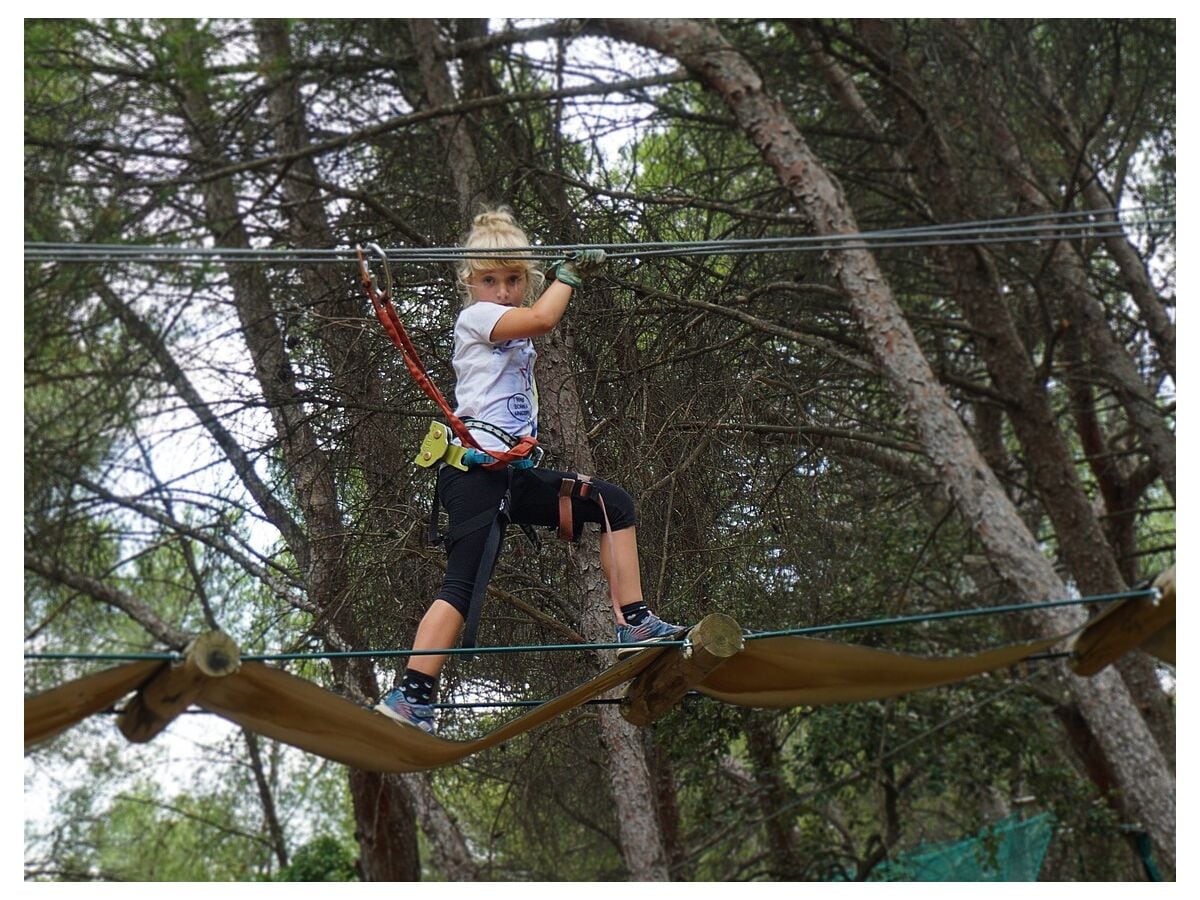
[{"x": 504, "y": 286}]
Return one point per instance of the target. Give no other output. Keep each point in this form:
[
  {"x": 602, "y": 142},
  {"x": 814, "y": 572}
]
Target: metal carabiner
[{"x": 365, "y": 271}]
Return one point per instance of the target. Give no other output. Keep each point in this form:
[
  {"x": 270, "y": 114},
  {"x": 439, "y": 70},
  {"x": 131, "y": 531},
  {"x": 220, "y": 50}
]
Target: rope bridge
[{"x": 777, "y": 670}]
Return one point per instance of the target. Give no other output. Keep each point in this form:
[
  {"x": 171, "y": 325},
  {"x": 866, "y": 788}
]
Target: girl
[{"x": 497, "y": 399}]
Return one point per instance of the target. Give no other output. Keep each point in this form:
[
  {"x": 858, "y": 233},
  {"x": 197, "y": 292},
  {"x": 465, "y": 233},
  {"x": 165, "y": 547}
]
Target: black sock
[
  {"x": 635, "y": 613},
  {"x": 419, "y": 687}
]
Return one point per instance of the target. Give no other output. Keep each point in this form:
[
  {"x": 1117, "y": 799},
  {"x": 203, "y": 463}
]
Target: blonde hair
[{"x": 496, "y": 229}]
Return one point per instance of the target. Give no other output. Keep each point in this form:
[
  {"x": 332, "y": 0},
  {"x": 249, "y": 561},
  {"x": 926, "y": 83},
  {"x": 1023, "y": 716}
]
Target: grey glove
[{"x": 578, "y": 265}]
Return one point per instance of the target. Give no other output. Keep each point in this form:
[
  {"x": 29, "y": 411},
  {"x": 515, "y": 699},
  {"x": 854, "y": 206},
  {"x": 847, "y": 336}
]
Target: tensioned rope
[
  {"x": 1051, "y": 227},
  {"x": 551, "y": 648}
]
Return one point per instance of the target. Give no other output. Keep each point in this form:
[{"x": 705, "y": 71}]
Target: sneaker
[
  {"x": 395, "y": 706},
  {"x": 651, "y": 630}
]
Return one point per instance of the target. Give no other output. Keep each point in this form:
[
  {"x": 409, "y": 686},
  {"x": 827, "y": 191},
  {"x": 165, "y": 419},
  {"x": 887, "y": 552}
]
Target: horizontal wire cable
[
  {"x": 1015, "y": 223},
  {"x": 341, "y": 257},
  {"x": 955, "y": 614},
  {"x": 1061, "y": 226},
  {"x": 350, "y": 654},
  {"x": 875, "y": 246},
  {"x": 454, "y": 651},
  {"x": 99, "y": 253},
  {"x": 550, "y": 648},
  {"x": 519, "y": 704},
  {"x": 162, "y": 656},
  {"x": 641, "y": 256}
]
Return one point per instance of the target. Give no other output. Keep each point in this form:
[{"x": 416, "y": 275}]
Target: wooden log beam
[
  {"x": 1126, "y": 626},
  {"x": 713, "y": 641},
  {"x": 211, "y": 655},
  {"x": 1161, "y": 644},
  {"x": 54, "y": 711}
]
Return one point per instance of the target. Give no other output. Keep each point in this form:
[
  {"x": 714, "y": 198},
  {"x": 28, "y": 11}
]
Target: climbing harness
[
  {"x": 463, "y": 459},
  {"x": 437, "y": 449},
  {"x": 583, "y": 488}
]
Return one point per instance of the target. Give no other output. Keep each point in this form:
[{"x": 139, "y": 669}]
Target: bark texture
[
  {"x": 633, "y": 789},
  {"x": 342, "y": 337},
  {"x": 564, "y": 431},
  {"x": 1147, "y": 790},
  {"x": 388, "y": 843}
]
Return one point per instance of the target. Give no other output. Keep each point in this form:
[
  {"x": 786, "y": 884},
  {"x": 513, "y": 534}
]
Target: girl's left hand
[{"x": 578, "y": 265}]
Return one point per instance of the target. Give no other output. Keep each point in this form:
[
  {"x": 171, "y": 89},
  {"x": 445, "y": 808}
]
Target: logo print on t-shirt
[{"x": 519, "y": 408}]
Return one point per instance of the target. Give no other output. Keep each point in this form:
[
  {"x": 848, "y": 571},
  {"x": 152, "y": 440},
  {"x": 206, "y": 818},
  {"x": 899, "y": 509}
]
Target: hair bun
[{"x": 490, "y": 218}]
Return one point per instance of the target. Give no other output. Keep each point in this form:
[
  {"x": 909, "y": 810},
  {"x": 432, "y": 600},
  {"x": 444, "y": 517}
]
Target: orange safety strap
[{"x": 385, "y": 311}]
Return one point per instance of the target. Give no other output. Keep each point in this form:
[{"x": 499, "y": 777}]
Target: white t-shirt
[{"x": 495, "y": 380}]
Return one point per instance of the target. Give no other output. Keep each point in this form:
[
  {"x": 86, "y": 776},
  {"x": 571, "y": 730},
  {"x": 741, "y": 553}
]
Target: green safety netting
[{"x": 1009, "y": 850}]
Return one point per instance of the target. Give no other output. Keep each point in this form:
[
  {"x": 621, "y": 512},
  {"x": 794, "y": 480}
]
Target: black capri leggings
[{"x": 534, "y": 502}]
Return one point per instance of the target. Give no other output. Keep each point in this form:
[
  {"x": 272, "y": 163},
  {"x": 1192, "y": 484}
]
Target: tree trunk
[
  {"x": 373, "y": 435},
  {"x": 975, "y": 284},
  {"x": 1146, "y": 785},
  {"x": 564, "y": 426},
  {"x": 266, "y": 797},
  {"x": 451, "y": 854},
  {"x": 461, "y": 161},
  {"x": 667, "y": 800},
  {"x": 629, "y": 776},
  {"x": 338, "y": 307},
  {"x": 1110, "y": 360},
  {"x": 388, "y": 845},
  {"x": 1119, "y": 490},
  {"x": 774, "y": 798},
  {"x": 382, "y": 808}
]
